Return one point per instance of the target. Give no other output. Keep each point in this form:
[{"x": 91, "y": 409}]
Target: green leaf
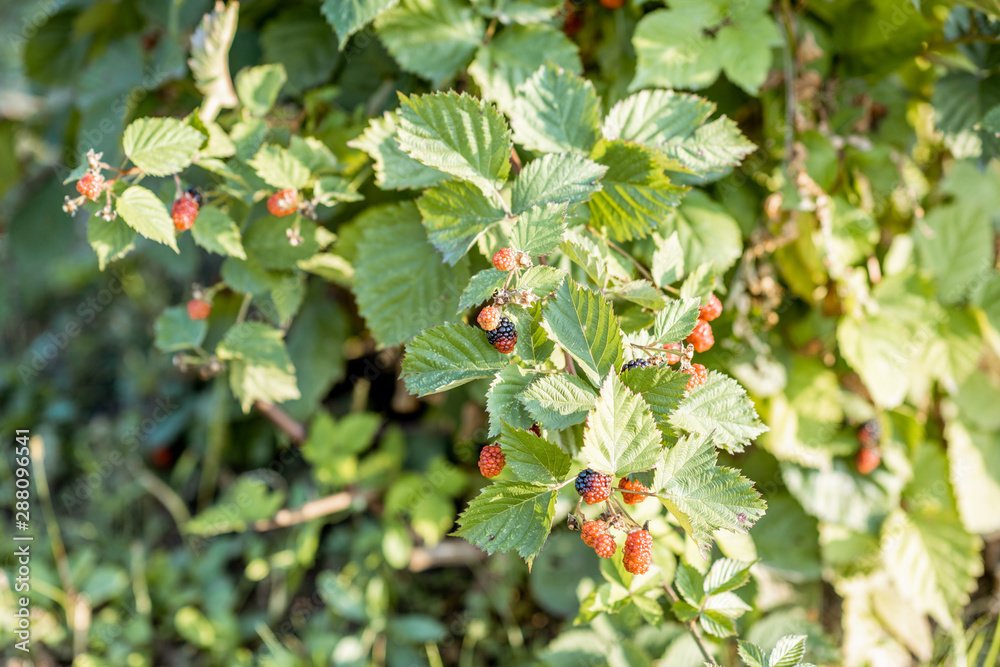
[
  {"x": 533, "y": 344},
  {"x": 672, "y": 50},
  {"x": 531, "y": 458},
  {"x": 539, "y": 230},
  {"x": 509, "y": 516},
  {"x": 668, "y": 260},
  {"x": 459, "y": 135},
  {"x": 788, "y": 651},
  {"x": 313, "y": 153},
  {"x": 583, "y": 252},
  {"x": 315, "y": 341},
  {"x": 514, "y": 55},
  {"x": 707, "y": 233},
  {"x": 636, "y": 195},
  {"x": 502, "y": 404},
  {"x": 394, "y": 169},
  {"x": 267, "y": 242},
  {"x": 246, "y": 501},
  {"x": 287, "y": 296},
  {"x": 402, "y": 287},
  {"x": 641, "y": 292},
  {"x": 455, "y": 214},
  {"x": 303, "y": 43},
  {"x": 933, "y": 560},
  {"x": 690, "y": 584},
  {"x": 662, "y": 389},
  {"x": 745, "y": 51},
  {"x": 720, "y": 407},
  {"x": 449, "y": 356},
  {"x": 329, "y": 190},
  {"x": 209, "y": 60},
  {"x": 655, "y": 117},
  {"x": 146, "y": 214},
  {"x": 259, "y": 367},
  {"x": 278, "y": 168},
  {"x": 556, "y": 179},
  {"x": 751, "y": 654},
  {"x": 702, "y": 496},
  {"x": 727, "y": 605},
  {"x": 558, "y": 401},
  {"x": 248, "y": 276},
  {"x": 712, "y": 147},
  {"x": 481, "y": 287},
  {"x": 258, "y": 87},
  {"x": 955, "y": 247},
  {"x": 161, "y": 146},
  {"x": 542, "y": 280},
  {"x": 110, "y": 239},
  {"x": 175, "y": 331},
  {"x": 726, "y": 575},
  {"x": 620, "y": 437},
  {"x": 349, "y": 16},
  {"x": 676, "y": 321},
  {"x": 556, "y": 111},
  {"x": 432, "y": 38},
  {"x": 585, "y": 325},
  {"x": 216, "y": 232}
]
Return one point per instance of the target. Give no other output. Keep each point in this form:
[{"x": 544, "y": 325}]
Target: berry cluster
[
  {"x": 637, "y": 556},
  {"x": 593, "y": 487},
  {"x": 595, "y": 535},
  {"x": 199, "y": 309},
  {"x": 491, "y": 461},
  {"x": 701, "y": 338},
  {"x": 283, "y": 203},
  {"x": 489, "y": 318},
  {"x": 90, "y": 186},
  {"x": 698, "y": 373},
  {"x": 504, "y": 336},
  {"x": 185, "y": 209},
  {"x": 627, "y": 484}
]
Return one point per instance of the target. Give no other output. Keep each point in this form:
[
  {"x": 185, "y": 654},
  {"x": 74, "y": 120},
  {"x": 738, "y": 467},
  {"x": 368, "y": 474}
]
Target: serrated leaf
[
  {"x": 209, "y": 60},
  {"x": 668, "y": 260},
  {"x": 702, "y": 496},
  {"x": 349, "y": 16},
  {"x": 432, "y": 38},
  {"x": 502, "y": 404},
  {"x": 690, "y": 584},
  {"x": 584, "y": 253},
  {"x": 955, "y": 247},
  {"x": 458, "y": 135},
  {"x": 716, "y": 624},
  {"x": 533, "y": 345},
  {"x": 146, "y": 214},
  {"x": 330, "y": 267},
  {"x": 539, "y": 230},
  {"x": 541, "y": 280},
  {"x": 259, "y": 367},
  {"x": 636, "y": 194},
  {"x": 712, "y": 147},
  {"x": 394, "y": 169},
  {"x": 247, "y": 275},
  {"x": 258, "y": 87},
  {"x": 448, "y": 356},
  {"x": 556, "y": 179},
  {"x": 161, "y": 146},
  {"x": 727, "y": 574},
  {"x": 454, "y": 214},
  {"x": 751, "y": 654},
  {"x": 509, "y": 516},
  {"x": 676, "y": 321},
  {"x": 110, "y": 239},
  {"x": 514, "y": 55},
  {"x": 313, "y": 153},
  {"x": 728, "y": 605},
  {"x": 267, "y": 242},
  {"x": 933, "y": 560},
  {"x": 672, "y": 50},
  {"x": 531, "y": 458},
  {"x": 176, "y": 331},
  {"x": 216, "y": 232},
  {"x": 788, "y": 651},
  {"x": 558, "y": 401},
  {"x": 721, "y": 407},
  {"x": 585, "y": 325},
  {"x": 329, "y": 190},
  {"x": 481, "y": 287},
  {"x": 303, "y": 43},
  {"x": 745, "y": 51},
  {"x": 556, "y": 111},
  {"x": 620, "y": 436},
  {"x": 278, "y": 168},
  {"x": 654, "y": 117},
  {"x": 662, "y": 389},
  {"x": 403, "y": 287},
  {"x": 641, "y": 292}
]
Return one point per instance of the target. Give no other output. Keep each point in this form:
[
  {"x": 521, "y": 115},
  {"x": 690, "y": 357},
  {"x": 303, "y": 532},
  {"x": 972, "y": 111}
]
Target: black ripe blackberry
[
  {"x": 636, "y": 363},
  {"x": 504, "y": 336},
  {"x": 593, "y": 487}
]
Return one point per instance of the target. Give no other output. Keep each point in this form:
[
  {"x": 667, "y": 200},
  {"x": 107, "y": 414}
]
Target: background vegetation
[{"x": 855, "y": 251}]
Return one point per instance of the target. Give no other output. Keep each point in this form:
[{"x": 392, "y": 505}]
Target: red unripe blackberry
[
  {"x": 870, "y": 433},
  {"x": 632, "y": 485},
  {"x": 592, "y": 530},
  {"x": 198, "y": 309},
  {"x": 867, "y": 459},
  {"x": 489, "y": 318},
  {"x": 636, "y": 556},
  {"x": 505, "y": 259},
  {"x": 698, "y": 373},
  {"x": 604, "y": 546},
  {"x": 491, "y": 461},
  {"x": 710, "y": 310},
  {"x": 536, "y": 430},
  {"x": 283, "y": 203},
  {"x": 641, "y": 362},
  {"x": 184, "y": 211},
  {"x": 701, "y": 337},
  {"x": 504, "y": 336},
  {"x": 671, "y": 358},
  {"x": 612, "y": 4},
  {"x": 593, "y": 487},
  {"x": 90, "y": 186}
]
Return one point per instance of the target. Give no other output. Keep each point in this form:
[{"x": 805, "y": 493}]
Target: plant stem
[
  {"x": 699, "y": 639},
  {"x": 789, "y": 57},
  {"x": 284, "y": 422}
]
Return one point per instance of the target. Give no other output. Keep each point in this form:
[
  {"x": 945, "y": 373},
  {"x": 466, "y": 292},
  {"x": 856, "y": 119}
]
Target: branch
[
  {"x": 448, "y": 552},
  {"x": 693, "y": 628},
  {"x": 314, "y": 509},
  {"x": 282, "y": 420}
]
